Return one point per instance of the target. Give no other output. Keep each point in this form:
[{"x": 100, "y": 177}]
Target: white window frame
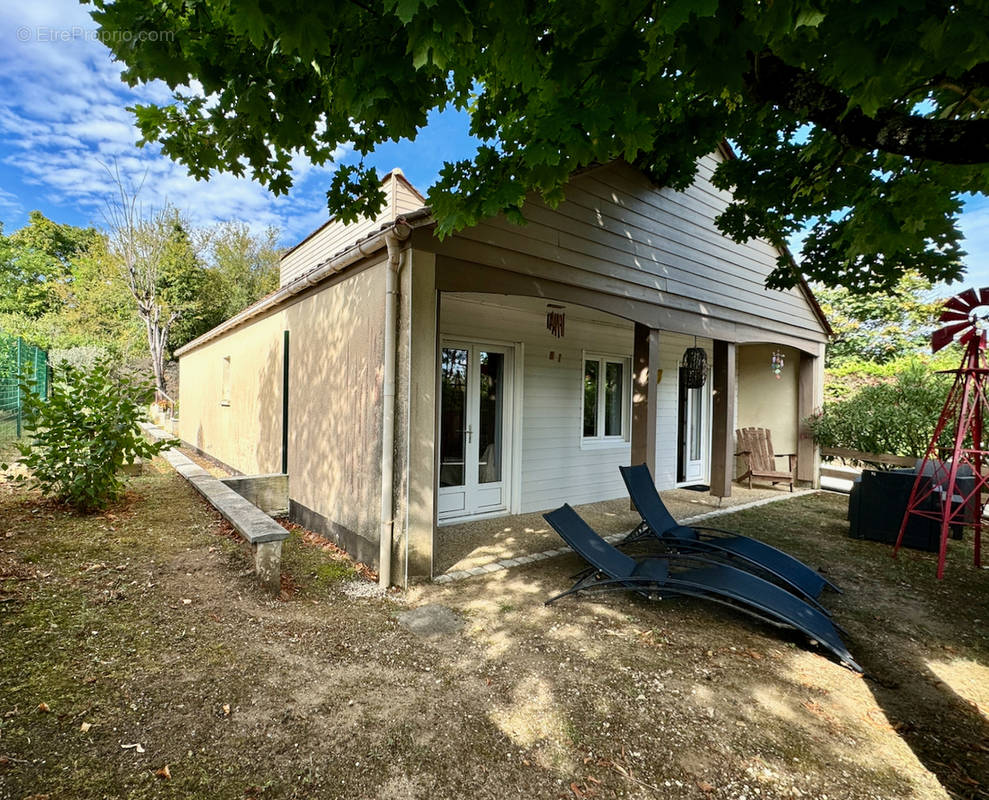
[
  {"x": 225, "y": 381},
  {"x": 601, "y": 440}
]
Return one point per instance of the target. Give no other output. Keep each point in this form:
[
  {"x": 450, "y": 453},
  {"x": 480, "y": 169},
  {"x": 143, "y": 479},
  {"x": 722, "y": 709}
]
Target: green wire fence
[{"x": 19, "y": 361}]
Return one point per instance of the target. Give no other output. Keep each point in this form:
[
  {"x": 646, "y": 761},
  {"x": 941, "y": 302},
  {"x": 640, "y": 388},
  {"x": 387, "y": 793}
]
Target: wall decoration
[
  {"x": 693, "y": 366},
  {"x": 777, "y": 364},
  {"x": 556, "y": 320}
]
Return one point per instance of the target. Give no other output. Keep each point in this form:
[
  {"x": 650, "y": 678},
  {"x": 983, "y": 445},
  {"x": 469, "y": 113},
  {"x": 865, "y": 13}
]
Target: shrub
[
  {"x": 845, "y": 379},
  {"x": 82, "y": 357},
  {"x": 896, "y": 416},
  {"x": 85, "y": 433}
]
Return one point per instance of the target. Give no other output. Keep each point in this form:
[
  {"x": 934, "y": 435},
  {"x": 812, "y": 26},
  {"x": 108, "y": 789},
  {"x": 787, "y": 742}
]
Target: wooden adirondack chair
[{"x": 756, "y": 447}]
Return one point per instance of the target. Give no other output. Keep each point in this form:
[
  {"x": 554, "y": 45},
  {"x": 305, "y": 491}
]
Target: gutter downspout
[{"x": 393, "y": 241}]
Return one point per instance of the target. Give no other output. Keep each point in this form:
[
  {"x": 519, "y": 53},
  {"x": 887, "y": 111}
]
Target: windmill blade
[
  {"x": 984, "y": 296},
  {"x": 943, "y": 336},
  {"x": 952, "y": 316},
  {"x": 940, "y": 338},
  {"x": 969, "y": 296},
  {"x": 960, "y": 303},
  {"x": 965, "y": 337}
]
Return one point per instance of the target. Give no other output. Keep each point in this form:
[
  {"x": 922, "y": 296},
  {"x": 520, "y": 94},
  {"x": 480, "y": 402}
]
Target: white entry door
[
  {"x": 475, "y": 429},
  {"x": 694, "y": 437}
]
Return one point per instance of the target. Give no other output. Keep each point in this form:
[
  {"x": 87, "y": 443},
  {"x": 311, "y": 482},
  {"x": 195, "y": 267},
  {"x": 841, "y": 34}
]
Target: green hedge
[{"x": 897, "y": 415}]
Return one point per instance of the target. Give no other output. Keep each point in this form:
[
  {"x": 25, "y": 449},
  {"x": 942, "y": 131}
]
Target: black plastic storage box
[{"x": 876, "y": 507}]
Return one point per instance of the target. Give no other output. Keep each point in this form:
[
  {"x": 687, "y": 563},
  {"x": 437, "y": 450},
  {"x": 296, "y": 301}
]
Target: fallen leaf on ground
[
  {"x": 84, "y": 728},
  {"x": 226, "y": 709},
  {"x": 136, "y": 747},
  {"x": 164, "y": 773},
  {"x": 704, "y": 786},
  {"x": 43, "y": 708},
  {"x": 186, "y": 601},
  {"x": 576, "y": 790}
]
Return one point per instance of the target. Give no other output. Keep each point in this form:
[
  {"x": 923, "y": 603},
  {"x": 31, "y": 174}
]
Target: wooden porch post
[
  {"x": 810, "y": 388},
  {"x": 723, "y": 420},
  {"x": 645, "y": 368}
]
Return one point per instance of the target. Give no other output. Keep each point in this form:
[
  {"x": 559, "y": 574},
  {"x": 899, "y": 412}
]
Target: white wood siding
[
  {"x": 327, "y": 242},
  {"x": 619, "y": 234},
  {"x": 406, "y": 200},
  {"x": 556, "y": 469},
  {"x": 333, "y": 236}
]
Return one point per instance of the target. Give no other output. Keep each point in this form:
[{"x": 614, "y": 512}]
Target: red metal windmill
[{"x": 936, "y": 493}]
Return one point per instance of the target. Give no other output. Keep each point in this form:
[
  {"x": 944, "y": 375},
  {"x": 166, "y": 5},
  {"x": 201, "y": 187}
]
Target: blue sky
[{"x": 62, "y": 113}]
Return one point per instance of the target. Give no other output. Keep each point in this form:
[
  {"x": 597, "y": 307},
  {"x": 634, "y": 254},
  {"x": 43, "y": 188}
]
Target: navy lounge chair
[
  {"x": 691, "y": 575},
  {"x": 657, "y": 521}
]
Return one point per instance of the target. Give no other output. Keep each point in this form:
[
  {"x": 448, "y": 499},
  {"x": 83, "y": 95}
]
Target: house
[{"x": 405, "y": 382}]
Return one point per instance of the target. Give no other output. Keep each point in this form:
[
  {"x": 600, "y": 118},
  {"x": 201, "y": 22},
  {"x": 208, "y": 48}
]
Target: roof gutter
[{"x": 326, "y": 269}]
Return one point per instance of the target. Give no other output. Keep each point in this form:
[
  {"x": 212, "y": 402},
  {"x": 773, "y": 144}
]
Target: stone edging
[
  {"x": 496, "y": 566},
  {"x": 259, "y": 530}
]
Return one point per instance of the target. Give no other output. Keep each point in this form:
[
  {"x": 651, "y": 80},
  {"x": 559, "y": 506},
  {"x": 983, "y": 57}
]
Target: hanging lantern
[
  {"x": 777, "y": 364},
  {"x": 693, "y": 367}
]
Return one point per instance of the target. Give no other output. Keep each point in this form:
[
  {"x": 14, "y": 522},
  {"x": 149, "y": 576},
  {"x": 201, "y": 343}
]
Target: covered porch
[
  {"x": 528, "y": 391},
  {"x": 527, "y": 418},
  {"x": 480, "y": 543}
]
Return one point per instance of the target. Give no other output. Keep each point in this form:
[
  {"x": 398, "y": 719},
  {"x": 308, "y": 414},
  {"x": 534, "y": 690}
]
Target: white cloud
[
  {"x": 9, "y": 202},
  {"x": 63, "y": 117}
]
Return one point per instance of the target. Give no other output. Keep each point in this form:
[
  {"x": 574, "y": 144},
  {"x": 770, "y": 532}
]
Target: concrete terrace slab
[{"x": 483, "y": 546}]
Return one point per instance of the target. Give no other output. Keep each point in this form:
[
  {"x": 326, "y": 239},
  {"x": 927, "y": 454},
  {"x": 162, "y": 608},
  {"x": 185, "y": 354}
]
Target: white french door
[
  {"x": 695, "y": 451},
  {"x": 694, "y": 434},
  {"x": 475, "y": 429}
]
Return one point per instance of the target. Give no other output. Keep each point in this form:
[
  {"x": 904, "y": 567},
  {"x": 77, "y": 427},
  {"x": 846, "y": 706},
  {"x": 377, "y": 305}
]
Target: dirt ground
[{"x": 142, "y": 626}]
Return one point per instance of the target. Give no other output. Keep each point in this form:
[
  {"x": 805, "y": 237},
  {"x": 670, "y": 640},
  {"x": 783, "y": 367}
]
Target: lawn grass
[{"x": 143, "y": 626}]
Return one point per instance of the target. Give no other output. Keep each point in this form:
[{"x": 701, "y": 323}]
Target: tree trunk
[
  {"x": 950, "y": 141},
  {"x": 157, "y": 351}
]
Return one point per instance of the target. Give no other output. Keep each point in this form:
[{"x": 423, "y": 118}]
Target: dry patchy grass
[{"x": 143, "y": 626}]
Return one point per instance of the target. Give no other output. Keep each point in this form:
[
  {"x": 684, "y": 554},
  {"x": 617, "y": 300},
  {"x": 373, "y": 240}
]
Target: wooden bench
[{"x": 755, "y": 446}]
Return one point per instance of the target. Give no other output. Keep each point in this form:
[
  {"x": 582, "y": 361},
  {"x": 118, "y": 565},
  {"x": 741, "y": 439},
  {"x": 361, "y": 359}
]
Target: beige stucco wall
[
  {"x": 337, "y": 362},
  {"x": 765, "y": 401},
  {"x": 247, "y": 433},
  {"x": 335, "y": 378}
]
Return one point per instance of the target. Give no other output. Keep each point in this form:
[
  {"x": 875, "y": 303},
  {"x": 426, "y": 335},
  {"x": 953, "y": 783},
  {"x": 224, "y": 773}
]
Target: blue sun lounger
[
  {"x": 714, "y": 542},
  {"x": 691, "y": 575}
]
